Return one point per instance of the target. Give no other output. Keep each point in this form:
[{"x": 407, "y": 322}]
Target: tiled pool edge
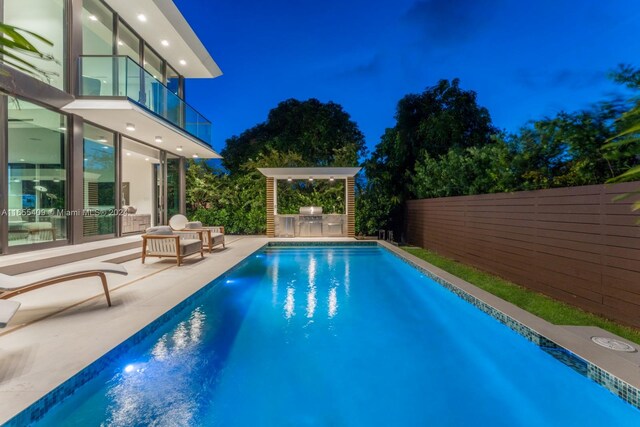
[
  {"x": 617, "y": 386},
  {"x": 40, "y": 407}
]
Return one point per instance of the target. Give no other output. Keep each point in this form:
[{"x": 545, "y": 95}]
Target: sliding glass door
[{"x": 99, "y": 182}]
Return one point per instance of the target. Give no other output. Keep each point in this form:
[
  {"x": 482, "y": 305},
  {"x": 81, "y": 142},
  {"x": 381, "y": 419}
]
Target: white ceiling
[
  {"x": 165, "y": 22},
  {"x": 115, "y": 114}
]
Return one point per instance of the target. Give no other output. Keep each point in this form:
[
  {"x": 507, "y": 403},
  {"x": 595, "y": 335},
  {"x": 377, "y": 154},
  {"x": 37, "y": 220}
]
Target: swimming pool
[{"x": 335, "y": 336}]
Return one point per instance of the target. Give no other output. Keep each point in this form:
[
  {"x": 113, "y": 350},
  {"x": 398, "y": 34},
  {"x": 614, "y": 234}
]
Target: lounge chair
[
  {"x": 11, "y": 286},
  {"x": 211, "y": 236},
  {"x": 162, "y": 242},
  {"x": 7, "y": 310}
]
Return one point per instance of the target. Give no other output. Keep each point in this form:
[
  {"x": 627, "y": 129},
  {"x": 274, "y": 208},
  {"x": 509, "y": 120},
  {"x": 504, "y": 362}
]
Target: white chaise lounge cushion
[
  {"x": 10, "y": 283},
  {"x": 7, "y": 310}
]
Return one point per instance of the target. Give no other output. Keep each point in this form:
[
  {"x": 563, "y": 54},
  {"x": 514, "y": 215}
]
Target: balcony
[{"x": 120, "y": 77}]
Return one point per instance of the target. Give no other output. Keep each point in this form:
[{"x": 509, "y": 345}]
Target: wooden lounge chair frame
[
  {"x": 43, "y": 283},
  {"x": 179, "y": 257}
]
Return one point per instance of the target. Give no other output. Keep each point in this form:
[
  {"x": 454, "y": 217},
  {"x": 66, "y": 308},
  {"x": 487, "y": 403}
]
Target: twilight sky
[{"x": 525, "y": 59}]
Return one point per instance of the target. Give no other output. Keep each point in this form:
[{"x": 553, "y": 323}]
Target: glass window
[
  {"x": 173, "y": 80},
  {"x": 138, "y": 185},
  {"x": 128, "y": 42},
  {"x": 173, "y": 185},
  {"x": 97, "y": 28},
  {"x": 153, "y": 63},
  {"x": 37, "y": 190},
  {"x": 99, "y": 185},
  {"x": 45, "y": 18}
]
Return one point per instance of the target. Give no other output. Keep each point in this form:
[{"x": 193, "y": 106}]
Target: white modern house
[{"x": 98, "y": 151}]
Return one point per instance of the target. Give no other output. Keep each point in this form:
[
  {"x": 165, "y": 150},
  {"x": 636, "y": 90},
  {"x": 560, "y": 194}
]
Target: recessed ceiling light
[
  {"x": 93, "y": 17},
  {"x": 289, "y": 179},
  {"x": 331, "y": 179},
  {"x": 128, "y": 154},
  {"x": 158, "y": 139},
  {"x": 22, "y": 160},
  {"x": 101, "y": 139},
  {"x": 146, "y": 159},
  {"x": 195, "y": 156},
  {"x": 164, "y": 42},
  {"x": 183, "y": 62},
  {"x": 131, "y": 127},
  {"x": 16, "y": 180},
  {"x": 62, "y": 128},
  {"x": 56, "y": 180},
  {"x": 142, "y": 17},
  {"x": 120, "y": 43},
  {"x": 179, "y": 148},
  {"x": 310, "y": 178},
  {"x": 37, "y": 180}
]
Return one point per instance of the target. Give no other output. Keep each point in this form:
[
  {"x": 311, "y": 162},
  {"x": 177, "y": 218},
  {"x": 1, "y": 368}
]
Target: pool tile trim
[{"x": 38, "y": 409}]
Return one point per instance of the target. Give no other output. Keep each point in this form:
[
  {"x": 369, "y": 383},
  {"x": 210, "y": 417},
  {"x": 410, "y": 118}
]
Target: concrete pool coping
[{"x": 58, "y": 334}]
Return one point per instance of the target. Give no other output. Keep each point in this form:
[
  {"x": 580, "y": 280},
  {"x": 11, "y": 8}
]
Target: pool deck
[{"x": 61, "y": 329}]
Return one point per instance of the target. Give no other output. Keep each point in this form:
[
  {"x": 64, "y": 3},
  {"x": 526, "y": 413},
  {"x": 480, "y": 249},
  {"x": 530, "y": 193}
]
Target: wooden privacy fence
[{"x": 575, "y": 244}]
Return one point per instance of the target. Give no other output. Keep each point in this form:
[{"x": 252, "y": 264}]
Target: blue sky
[{"x": 525, "y": 59}]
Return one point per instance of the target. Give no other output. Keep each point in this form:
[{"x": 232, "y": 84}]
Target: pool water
[{"x": 336, "y": 336}]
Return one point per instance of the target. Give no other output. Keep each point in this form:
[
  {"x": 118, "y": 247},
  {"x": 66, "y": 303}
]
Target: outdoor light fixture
[
  {"x": 93, "y": 17},
  {"x": 183, "y": 62},
  {"x": 195, "y": 156},
  {"x": 179, "y": 148},
  {"x": 289, "y": 179},
  {"x": 331, "y": 179},
  {"x": 56, "y": 180},
  {"x": 131, "y": 127},
  {"x": 158, "y": 139},
  {"x": 310, "y": 178},
  {"x": 142, "y": 17},
  {"x": 164, "y": 42}
]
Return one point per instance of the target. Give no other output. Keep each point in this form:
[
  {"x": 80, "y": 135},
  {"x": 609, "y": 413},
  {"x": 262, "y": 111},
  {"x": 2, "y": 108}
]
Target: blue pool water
[{"x": 335, "y": 336}]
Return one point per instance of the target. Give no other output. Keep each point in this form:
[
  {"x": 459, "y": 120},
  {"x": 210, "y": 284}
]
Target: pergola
[{"x": 316, "y": 173}]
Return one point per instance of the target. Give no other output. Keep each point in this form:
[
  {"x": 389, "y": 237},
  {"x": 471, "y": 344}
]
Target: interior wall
[{"x": 139, "y": 174}]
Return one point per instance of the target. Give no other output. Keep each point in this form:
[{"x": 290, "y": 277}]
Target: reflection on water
[
  {"x": 274, "y": 282},
  {"x": 333, "y": 303},
  {"x": 311, "y": 292},
  {"x": 159, "y": 391},
  {"x": 290, "y": 303}
]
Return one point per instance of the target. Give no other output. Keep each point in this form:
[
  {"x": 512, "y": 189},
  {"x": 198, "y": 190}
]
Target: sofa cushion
[
  {"x": 189, "y": 246},
  {"x": 159, "y": 230},
  {"x": 193, "y": 225}
]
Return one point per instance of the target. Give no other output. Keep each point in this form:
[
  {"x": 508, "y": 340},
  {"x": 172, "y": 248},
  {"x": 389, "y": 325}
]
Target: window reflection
[
  {"x": 99, "y": 185},
  {"x": 37, "y": 153},
  {"x": 138, "y": 192}
]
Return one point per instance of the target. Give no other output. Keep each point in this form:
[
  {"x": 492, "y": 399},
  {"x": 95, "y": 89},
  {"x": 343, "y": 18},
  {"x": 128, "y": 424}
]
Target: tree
[
  {"x": 441, "y": 118},
  {"x": 322, "y": 133},
  {"x": 474, "y": 170}
]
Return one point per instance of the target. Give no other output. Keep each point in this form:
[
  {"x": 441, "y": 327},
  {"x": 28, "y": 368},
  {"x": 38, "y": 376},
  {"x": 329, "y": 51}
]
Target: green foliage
[
  {"x": 296, "y": 134},
  {"x": 472, "y": 170},
  {"x": 15, "y": 46},
  {"x": 323, "y": 134}
]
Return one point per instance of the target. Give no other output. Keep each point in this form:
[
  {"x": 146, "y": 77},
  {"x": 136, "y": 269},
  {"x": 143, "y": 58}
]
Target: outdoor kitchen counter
[{"x": 296, "y": 225}]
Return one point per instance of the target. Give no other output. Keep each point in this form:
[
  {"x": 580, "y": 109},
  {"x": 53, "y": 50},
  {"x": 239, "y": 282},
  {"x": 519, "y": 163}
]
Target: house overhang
[
  {"x": 164, "y": 21},
  {"x": 117, "y": 114}
]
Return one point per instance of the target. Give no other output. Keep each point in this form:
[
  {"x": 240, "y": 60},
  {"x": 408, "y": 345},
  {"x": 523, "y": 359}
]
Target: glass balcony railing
[{"x": 121, "y": 76}]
